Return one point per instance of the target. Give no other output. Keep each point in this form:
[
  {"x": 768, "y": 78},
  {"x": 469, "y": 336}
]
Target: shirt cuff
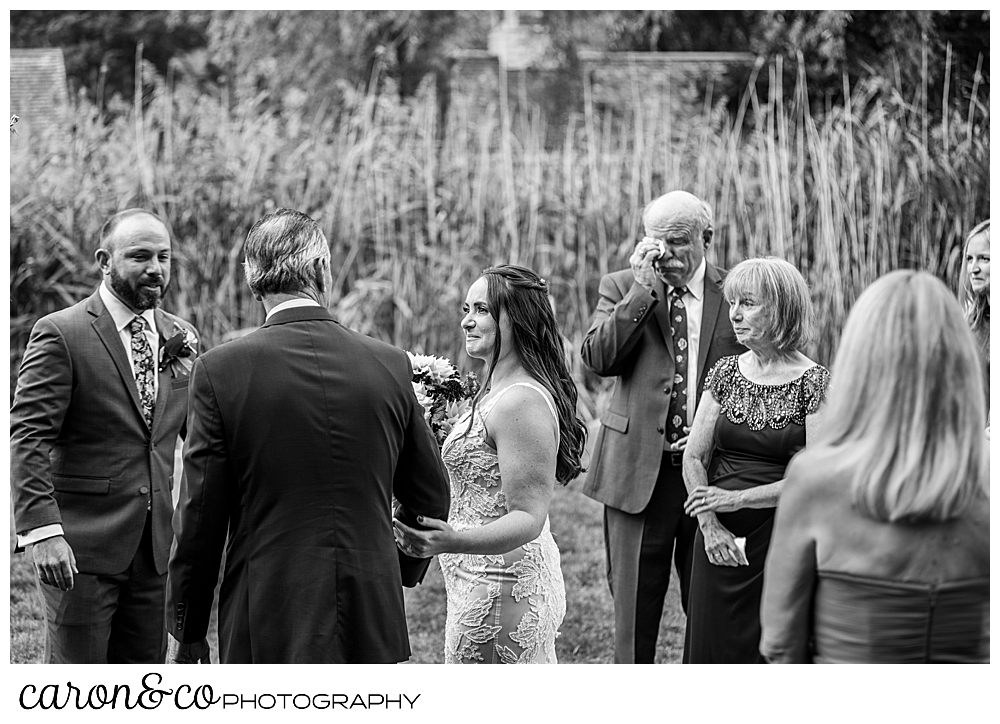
[{"x": 37, "y": 534}]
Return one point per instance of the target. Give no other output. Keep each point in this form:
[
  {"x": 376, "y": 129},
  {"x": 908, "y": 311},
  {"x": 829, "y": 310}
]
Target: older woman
[
  {"x": 974, "y": 291},
  {"x": 882, "y": 541},
  {"x": 754, "y": 415}
]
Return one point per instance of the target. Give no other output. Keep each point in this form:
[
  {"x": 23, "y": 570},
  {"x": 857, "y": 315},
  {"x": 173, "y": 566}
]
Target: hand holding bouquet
[{"x": 444, "y": 394}]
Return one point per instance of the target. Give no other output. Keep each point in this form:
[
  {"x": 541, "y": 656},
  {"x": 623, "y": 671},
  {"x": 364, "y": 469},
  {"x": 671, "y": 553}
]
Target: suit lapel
[
  {"x": 709, "y": 316},
  {"x": 104, "y": 325},
  {"x": 662, "y": 313},
  {"x": 162, "y": 397}
]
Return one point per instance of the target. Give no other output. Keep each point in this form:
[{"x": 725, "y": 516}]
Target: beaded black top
[{"x": 758, "y": 405}]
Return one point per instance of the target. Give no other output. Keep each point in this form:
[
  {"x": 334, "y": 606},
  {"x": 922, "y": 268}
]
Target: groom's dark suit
[
  {"x": 83, "y": 457},
  {"x": 299, "y": 434}
]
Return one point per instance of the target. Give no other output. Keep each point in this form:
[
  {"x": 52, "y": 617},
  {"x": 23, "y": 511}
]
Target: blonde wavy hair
[
  {"x": 977, "y": 306},
  {"x": 905, "y": 414},
  {"x": 783, "y": 294}
]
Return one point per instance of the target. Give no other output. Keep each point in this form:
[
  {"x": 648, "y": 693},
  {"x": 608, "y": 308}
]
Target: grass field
[{"x": 587, "y": 633}]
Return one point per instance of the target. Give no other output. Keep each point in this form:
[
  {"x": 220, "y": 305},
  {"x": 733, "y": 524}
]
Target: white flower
[
  {"x": 453, "y": 411},
  {"x": 438, "y": 369},
  {"x": 423, "y": 398},
  {"x": 420, "y": 362},
  {"x": 435, "y": 380}
]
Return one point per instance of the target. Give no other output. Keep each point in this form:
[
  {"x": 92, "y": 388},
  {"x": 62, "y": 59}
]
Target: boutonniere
[{"x": 178, "y": 352}]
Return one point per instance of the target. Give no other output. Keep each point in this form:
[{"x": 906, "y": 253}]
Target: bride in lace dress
[{"x": 506, "y": 597}]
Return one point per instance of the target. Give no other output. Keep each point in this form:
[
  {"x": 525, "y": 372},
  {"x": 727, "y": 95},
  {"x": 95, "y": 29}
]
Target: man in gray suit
[
  {"x": 658, "y": 328},
  {"x": 101, "y": 398}
]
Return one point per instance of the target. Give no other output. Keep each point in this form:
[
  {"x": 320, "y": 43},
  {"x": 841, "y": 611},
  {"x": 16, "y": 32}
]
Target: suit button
[
  {"x": 143, "y": 490},
  {"x": 659, "y": 429}
]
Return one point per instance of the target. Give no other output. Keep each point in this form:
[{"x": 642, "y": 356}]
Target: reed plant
[{"x": 415, "y": 211}]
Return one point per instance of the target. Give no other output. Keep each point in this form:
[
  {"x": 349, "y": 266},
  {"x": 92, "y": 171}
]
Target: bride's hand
[{"x": 424, "y": 543}]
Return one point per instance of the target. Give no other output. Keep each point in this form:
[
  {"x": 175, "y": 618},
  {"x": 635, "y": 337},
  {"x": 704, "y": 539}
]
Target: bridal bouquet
[{"x": 444, "y": 394}]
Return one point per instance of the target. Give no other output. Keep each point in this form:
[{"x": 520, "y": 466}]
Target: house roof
[{"x": 38, "y": 94}]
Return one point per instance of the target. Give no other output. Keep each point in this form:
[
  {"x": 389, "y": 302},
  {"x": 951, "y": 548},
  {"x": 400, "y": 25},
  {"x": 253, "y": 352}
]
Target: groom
[{"x": 299, "y": 435}]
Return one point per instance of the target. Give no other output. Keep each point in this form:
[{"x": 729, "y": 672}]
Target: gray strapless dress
[{"x": 870, "y": 620}]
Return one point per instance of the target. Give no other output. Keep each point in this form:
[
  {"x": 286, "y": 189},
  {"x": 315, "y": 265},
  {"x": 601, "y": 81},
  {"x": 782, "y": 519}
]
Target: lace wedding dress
[{"x": 501, "y": 608}]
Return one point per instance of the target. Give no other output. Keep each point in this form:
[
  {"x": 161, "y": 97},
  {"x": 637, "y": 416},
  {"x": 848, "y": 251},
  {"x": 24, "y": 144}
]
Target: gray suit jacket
[
  {"x": 81, "y": 452},
  {"x": 628, "y": 340}
]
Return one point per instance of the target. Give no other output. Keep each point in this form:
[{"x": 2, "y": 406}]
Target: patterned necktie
[
  {"x": 142, "y": 361},
  {"x": 677, "y": 411}
]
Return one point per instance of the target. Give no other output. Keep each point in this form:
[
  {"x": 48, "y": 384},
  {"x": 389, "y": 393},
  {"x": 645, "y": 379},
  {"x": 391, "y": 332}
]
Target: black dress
[{"x": 758, "y": 431}]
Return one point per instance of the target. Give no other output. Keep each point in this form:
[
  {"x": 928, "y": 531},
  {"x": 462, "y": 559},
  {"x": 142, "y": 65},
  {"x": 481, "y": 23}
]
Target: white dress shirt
[
  {"x": 291, "y": 304},
  {"x": 122, "y": 317},
  {"x": 694, "y": 302}
]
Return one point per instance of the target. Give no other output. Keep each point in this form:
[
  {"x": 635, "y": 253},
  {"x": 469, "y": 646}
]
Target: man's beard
[{"x": 133, "y": 296}]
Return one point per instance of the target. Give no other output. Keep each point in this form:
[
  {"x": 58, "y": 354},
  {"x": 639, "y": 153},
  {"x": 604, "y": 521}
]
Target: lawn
[{"x": 587, "y": 633}]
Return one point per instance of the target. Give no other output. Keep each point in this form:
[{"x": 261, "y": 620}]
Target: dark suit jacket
[
  {"x": 300, "y": 433},
  {"x": 628, "y": 340},
  {"x": 81, "y": 453}
]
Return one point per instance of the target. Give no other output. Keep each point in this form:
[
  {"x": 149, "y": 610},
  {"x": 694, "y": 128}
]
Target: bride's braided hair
[{"x": 539, "y": 347}]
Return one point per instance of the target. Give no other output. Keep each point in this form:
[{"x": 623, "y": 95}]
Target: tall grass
[{"x": 414, "y": 212}]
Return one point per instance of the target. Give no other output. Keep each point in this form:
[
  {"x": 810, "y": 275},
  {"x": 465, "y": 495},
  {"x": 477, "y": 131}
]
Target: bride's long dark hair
[{"x": 538, "y": 346}]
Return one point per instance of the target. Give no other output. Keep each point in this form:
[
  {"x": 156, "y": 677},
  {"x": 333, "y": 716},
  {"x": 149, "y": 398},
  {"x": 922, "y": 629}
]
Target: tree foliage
[
  {"x": 910, "y": 48},
  {"x": 299, "y": 57},
  {"x": 100, "y": 46}
]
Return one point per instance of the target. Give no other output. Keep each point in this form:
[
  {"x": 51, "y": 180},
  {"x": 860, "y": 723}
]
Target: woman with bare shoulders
[
  {"x": 506, "y": 597},
  {"x": 881, "y": 548}
]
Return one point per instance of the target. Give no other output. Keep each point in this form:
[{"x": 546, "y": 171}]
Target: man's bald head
[
  {"x": 107, "y": 239},
  {"x": 683, "y": 224},
  {"x": 678, "y": 209}
]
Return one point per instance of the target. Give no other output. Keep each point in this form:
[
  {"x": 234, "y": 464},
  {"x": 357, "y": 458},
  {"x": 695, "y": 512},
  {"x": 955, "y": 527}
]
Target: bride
[{"x": 501, "y": 566}]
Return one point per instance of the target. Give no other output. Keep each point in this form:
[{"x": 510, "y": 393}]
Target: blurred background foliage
[
  {"x": 309, "y": 51},
  {"x": 857, "y": 144}
]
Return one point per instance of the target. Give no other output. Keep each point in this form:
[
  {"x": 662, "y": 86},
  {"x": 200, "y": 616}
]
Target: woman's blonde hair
[
  {"x": 977, "y": 306},
  {"x": 783, "y": 294},
  {"x": 905, "y": 416}
]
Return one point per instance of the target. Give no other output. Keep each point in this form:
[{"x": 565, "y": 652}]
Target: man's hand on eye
[{"x": 646, "y": 252}]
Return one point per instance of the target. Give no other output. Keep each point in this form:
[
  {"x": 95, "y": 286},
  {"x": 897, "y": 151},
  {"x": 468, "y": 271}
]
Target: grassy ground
[
  {"x": 587, "y": 633},
  {"x": 26, "y": 613}
]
